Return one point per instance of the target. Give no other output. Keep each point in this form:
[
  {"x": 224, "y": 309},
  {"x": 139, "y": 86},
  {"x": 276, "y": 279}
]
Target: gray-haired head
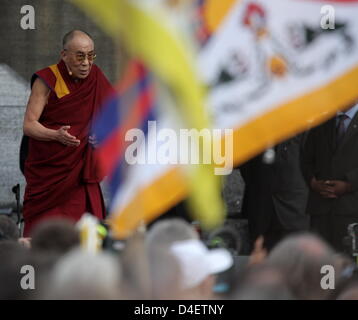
[
  {"x": 164, "y": 268},
  {"x": 165, "y": 232},
  {"x": 85, "y": 276},
  {"x": 300, "y": 258}
]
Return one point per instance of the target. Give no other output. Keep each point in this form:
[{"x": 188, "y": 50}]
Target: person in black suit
[
  {"x": 275, "y": 194},
  {"x": 330, "y": 168}
]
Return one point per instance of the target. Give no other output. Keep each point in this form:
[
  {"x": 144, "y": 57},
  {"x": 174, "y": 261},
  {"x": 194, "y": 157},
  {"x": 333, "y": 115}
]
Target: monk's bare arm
[
  {"x": 33, "y": 128},
  {"x": 35, "y": 106}
]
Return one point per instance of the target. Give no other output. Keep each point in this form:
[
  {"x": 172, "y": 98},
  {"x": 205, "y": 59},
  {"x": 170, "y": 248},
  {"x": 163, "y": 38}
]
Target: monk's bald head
[
  {"x": 78, "y": 53},
  {"x": 76, "y": 36}
]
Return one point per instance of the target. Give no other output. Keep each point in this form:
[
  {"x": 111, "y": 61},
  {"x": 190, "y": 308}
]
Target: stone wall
[
  {"x": 26, "y": 51},
  {"x": 14, "y": 93}
]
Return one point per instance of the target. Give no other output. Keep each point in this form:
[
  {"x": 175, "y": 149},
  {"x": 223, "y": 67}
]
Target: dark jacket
[
  {"x": 324, "y": 160},
  {"x": 276, "y": 189}
]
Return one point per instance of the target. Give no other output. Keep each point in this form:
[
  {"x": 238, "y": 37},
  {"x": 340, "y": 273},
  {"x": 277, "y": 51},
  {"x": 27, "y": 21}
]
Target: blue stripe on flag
[
  {"x": 108, "y": 120},
  {"x": 118, "y": 175},
  {"x": 116, "y": 110}
]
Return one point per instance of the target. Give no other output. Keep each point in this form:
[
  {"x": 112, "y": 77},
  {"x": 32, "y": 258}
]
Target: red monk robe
[{"x": 63, "y": 180}]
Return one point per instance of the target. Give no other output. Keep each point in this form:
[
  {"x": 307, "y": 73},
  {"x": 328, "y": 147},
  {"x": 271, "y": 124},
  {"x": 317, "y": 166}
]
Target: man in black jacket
[
  {"x": 330, "y": 168},
  {"x": 275, "y": 193}
]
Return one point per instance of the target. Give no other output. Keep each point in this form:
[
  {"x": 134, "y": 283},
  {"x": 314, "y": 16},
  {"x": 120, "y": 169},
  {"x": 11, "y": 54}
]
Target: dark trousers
[
  {"x": 273, "y": 232},
  {"x": 333, "y": 229}
]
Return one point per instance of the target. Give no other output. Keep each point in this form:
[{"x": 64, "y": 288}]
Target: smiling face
[{"x": 78, "y": 55}]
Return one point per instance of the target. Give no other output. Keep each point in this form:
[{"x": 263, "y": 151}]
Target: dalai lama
[{"x": 60, "y": 168}]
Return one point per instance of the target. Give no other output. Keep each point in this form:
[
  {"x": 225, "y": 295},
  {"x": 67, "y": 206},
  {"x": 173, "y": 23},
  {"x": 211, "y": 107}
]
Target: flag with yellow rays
[
  {"x": 269, "y": 72},
  {"x": 276, "y": 68}
]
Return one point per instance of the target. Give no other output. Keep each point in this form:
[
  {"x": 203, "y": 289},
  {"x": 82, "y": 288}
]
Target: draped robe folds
[{"x": 64, "y": 180}]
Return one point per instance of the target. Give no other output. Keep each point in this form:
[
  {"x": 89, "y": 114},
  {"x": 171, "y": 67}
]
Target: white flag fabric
[{"x": 276, "y": 67}]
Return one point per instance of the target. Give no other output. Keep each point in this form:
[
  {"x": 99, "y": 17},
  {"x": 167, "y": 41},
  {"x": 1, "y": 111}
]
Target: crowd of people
[{"x": 171, "y": 261}]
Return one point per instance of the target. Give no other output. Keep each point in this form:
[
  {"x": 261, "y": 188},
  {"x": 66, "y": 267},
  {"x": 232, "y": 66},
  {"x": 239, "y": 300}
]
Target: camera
[{"x": 351, "y": 241}]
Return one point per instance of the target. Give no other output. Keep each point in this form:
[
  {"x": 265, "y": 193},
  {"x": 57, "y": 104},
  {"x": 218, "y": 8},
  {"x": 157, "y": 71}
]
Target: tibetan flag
[
  {"x": 150, "y": 189},
  {"x": 131, "y": 107}
]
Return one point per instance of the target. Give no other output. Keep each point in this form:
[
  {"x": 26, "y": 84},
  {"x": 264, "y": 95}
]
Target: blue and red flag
[{"x": 132, "y": 106}]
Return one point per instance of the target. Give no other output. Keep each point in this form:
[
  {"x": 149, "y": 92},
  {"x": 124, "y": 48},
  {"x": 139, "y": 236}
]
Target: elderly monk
[{"x": 60, "y": 168}]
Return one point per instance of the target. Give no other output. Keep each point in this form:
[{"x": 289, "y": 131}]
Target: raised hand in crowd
[{"x": 259, "y": 253}]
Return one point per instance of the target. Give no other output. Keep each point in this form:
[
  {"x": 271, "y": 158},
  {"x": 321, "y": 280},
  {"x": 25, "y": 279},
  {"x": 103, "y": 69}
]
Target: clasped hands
[
  {"x": 64, "y": 137},
  {"x": 330, "y": 189}
]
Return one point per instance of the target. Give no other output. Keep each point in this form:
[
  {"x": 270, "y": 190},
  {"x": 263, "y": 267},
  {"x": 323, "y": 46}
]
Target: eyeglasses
[{"x": 80, "y": 57}]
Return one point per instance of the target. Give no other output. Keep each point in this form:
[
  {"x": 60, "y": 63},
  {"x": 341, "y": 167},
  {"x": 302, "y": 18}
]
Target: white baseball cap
[{"x": 197, "y": 262}]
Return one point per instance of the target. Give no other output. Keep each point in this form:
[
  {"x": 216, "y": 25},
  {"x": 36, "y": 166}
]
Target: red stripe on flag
[
  {"x": 114, "y": 147},
  {"x": 133, "y": 72}
]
